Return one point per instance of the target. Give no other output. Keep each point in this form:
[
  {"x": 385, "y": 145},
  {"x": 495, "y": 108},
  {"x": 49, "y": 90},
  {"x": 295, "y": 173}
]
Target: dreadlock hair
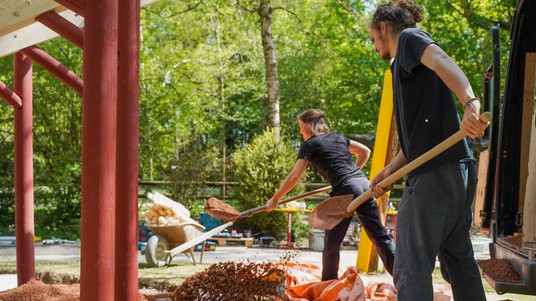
[
  {"x": 398, "y": 15},
  {"x": 314, "y": 118}
]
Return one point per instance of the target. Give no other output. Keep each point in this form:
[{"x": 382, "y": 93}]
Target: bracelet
[{"x": 469, "y": 103}]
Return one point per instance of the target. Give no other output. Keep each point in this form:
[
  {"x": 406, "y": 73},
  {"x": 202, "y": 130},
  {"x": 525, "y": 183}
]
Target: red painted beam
[
  {"x": 126, "y": 216},
  {"x": 99, "y": 120},
  {"x": 9, "y": 96},
  {"x": 77, "y": 6},
  {"x": 24, "y": 196},
  {"x": 63, "y": 27},
  {"x": 50, "y": 64}
]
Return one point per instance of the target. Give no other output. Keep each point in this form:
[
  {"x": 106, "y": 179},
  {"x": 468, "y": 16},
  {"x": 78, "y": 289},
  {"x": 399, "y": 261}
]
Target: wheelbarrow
[{"x": 170, "y": 239}]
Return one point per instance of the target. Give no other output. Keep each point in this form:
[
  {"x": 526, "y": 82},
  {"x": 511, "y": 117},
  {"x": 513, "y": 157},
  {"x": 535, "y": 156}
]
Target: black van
[{"x": 505, "y": 204}]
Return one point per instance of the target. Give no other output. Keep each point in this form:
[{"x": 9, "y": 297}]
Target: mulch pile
[
  {"x": 37, "y": 290},
  {"x": 230, "y": 281},
  {"x": 40, "y": 291},
  {"x": 500, "y": 270},
  {"x": 514, "y": 240},
  {"x": 224, "y": 281}
]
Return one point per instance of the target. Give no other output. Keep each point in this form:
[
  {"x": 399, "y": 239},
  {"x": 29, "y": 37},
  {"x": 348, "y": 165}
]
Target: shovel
[
  {"x": 224, "y": 211},
  {"x": 332, "y": 211}
]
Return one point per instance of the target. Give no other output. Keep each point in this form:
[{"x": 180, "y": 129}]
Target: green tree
[
  {"x": 462, "y": 28},
  {"x": 260, "y": 168}
]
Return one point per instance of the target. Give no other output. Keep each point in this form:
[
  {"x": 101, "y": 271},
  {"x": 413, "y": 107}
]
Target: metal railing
[{"x": 214, "y": 188}]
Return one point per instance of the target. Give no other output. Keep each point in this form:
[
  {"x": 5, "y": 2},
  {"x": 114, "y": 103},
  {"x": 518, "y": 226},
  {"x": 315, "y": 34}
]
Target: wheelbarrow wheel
[{"x": 155, "y": 252}]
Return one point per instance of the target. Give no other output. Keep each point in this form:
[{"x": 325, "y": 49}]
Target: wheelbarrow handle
[{"x": 288, "y": 200}]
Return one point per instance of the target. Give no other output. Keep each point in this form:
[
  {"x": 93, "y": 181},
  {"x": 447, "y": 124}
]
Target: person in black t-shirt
[
  {"x": 434, "y": 215},
  {"x": 331, "y": 154}
]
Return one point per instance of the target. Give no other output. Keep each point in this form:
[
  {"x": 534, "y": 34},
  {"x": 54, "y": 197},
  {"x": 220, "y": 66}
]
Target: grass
[{"x": 167, "y": 278}]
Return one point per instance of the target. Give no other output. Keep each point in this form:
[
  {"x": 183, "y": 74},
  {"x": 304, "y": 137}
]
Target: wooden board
[
  {"x": 239, "y": 242},
  {"x": 19, "y": 29},
  {"x": 480, "y": 196},
  {"x": 528, "y": 174}
]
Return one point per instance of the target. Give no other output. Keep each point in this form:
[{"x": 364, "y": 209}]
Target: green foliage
[
  {"x": 462, "y": 29},
  {"x": 192, "y": 168},
  {"x": 202, "y": 92},
  {"x": 56, "y": 146},
  {"x": 259, "y": 169}
]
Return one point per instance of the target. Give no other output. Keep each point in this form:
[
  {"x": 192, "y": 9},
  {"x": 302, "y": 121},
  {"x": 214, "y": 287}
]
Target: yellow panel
[{"x": 378, "y": 160}]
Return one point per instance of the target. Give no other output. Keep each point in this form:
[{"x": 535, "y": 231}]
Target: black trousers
[
  {"x": 370, "y": 222},
  {"x": 434, "y": 218}
]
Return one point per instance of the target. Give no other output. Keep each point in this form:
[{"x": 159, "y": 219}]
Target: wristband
[{"x": 469, "y": 103}]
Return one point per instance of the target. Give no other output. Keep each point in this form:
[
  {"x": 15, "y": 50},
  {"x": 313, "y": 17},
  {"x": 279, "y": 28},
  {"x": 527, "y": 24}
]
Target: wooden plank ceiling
[{"x": 18, "y": 28}]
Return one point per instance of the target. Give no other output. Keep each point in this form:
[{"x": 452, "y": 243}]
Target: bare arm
[
  {"x": 290, "y": 181},
  {"x": 437, "y": 60},
  {"x": 361, "y": 151}
]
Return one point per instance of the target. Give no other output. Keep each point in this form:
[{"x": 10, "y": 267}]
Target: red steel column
[
  {"x": 24, "y": 195},
  {"x": 126, "y": 229},
  {"x": 99, "y": 114}
]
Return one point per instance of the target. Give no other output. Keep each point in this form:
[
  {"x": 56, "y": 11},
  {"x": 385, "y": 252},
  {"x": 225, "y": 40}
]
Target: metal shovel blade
[
  {"x": 221, "y": 210},
  {"x": 330, "y": 212}
]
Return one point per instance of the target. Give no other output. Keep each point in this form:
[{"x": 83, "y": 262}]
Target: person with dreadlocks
[{"x": 434, "y": 215}]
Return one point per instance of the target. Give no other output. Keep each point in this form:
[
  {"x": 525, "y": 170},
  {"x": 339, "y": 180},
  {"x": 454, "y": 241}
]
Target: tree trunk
[{"x": 271, "y": 113}]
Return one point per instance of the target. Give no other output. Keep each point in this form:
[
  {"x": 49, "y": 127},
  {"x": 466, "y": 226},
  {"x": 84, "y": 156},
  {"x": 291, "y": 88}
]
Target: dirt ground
[{"x": 39, "y": 291}]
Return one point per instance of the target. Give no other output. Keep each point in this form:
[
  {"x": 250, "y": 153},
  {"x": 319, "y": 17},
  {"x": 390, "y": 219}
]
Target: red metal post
[
  {"x": 126, "y": 229},
  {"x": 55, "y": 68},
  {"x": 289, "y": 229},
  {"x": 99, "y": 115},
  {"x": 24, "y": 196},
  {"x": 63, "y": 27},
  {"x": 9, "y": 96}
]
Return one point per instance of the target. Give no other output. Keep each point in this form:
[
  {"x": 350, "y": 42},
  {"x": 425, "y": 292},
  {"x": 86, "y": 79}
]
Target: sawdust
[{"x": 221, "y": 210}]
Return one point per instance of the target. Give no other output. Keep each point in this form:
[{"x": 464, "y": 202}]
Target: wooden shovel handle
[
  {"x": 447, "y": 143},
  {"x": 294, "y": 198}
]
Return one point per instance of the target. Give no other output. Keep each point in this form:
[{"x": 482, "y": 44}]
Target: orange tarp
[{"x": 303, "y": 283}]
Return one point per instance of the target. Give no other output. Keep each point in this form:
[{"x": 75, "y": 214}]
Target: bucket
[{"x": 316, "y": 240}]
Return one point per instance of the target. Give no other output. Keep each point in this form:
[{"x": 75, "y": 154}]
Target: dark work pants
[
  {"x": 433, "y": 219},
  {"x": 370, "y": 222}
]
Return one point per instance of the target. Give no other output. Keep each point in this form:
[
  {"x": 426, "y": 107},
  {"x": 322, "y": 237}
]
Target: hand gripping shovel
[
  {"x": 224, "y": 211},
  {"x": 332, "y": 211}
]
